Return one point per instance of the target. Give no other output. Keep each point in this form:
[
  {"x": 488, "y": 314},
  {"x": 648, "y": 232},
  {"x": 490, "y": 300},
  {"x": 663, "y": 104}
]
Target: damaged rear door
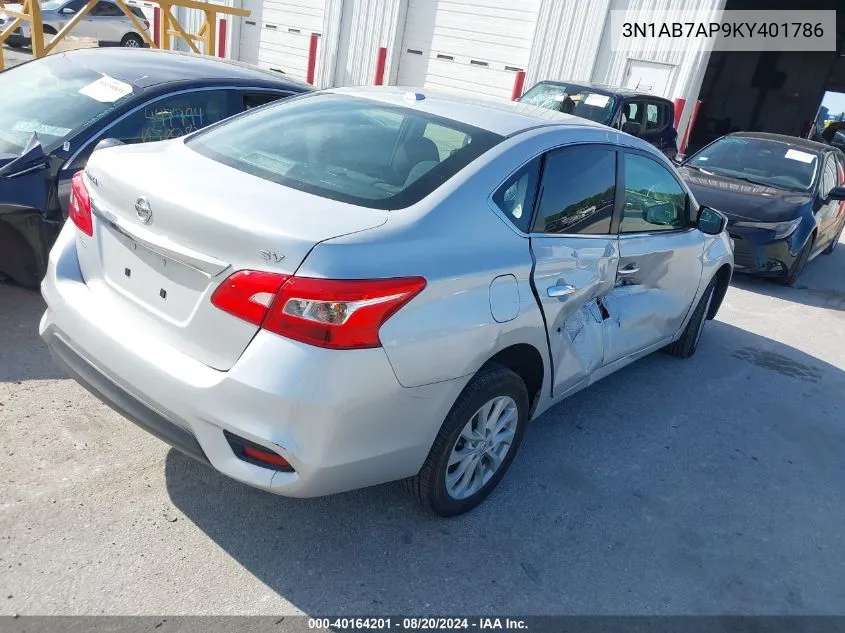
[{"x": 576, "y": 254}]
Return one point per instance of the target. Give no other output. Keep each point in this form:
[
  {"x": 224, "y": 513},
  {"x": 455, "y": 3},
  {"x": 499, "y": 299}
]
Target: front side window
[
  {"x": 347, "y": 148},
  {"x": 515, "y": 198},
  {"x": 106, "y": 9},
  {"x": 654, "y": 201},
  {"x": 175, "y": 116},
  {"x": 579, "y": 185},
  {"x": 829, "y": 177},
  {"x": 53, "y": 98},
  {"x": 632, "y": 112}
]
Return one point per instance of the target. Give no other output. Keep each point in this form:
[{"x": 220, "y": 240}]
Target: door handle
[
  {"x": 628, "y": 270},
  {"x": 560, "y": 291}
]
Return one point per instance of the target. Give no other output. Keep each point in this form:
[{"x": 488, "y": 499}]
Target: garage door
[
  {"x": 276, "y": 34},
  {"x": 468, "y": 46}
]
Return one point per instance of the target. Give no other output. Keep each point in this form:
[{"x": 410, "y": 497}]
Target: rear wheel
[
  {"x": 685, "y": 346},
  {"x": 132, "y": 40},
  {"x": 800, "y": 263},
  {"x": 475, "y": 445}
]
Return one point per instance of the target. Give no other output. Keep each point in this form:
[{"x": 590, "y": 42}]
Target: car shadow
[
  {"x": 699, "y": 486},
  {"x": 821, "y": 285},
  {"x": 23, "y": 355}
]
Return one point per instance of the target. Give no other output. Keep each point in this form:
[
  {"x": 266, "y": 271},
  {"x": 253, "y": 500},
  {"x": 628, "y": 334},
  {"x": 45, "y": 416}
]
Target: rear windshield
[{"x": 346, "y": 148}]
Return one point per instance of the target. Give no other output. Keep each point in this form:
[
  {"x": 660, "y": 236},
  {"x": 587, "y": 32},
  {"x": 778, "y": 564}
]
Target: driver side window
[{"x": 654, "y": 201}]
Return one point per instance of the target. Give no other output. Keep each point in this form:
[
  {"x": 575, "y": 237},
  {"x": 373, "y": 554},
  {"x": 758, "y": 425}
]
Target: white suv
[{"x": 106, "y": 22}]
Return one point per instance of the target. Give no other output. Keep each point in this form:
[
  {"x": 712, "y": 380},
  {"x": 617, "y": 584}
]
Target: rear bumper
[{"x": 341, "y": 419}]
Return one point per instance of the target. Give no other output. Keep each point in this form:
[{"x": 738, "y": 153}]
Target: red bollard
[
  {"x": 683, "y": 147},
  {"x": 221, "y": 38},
  {"x": 156, "y": 30},
  {"x": 312, "y": 58},
  {"x": 381, "y": 61},
  {"x": 518, "y": 85},
  {"x": 679, "y": 110}
]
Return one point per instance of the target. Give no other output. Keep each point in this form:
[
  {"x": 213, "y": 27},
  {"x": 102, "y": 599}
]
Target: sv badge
[{"x": 271, "y": 256}]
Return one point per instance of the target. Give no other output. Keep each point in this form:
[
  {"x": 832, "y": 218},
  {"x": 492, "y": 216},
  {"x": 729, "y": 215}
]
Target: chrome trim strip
[{"x": 205, "y": 264}]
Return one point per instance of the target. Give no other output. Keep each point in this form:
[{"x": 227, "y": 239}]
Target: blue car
[
  {"x": 784, "y": 198},
  {"x": 55, "y": 110},
  {"x": 637, "y": 113}
]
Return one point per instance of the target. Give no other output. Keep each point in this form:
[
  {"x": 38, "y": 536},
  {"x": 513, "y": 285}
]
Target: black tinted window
[
  {"x": 515, "y": 198},
  {"x": 175, "y": 116},
  {"x": 654, "y": 201},
  {"x": 106, "y": 9},
  {"x": 346, "y": 148},
  {"x": 578, "y": 187}
]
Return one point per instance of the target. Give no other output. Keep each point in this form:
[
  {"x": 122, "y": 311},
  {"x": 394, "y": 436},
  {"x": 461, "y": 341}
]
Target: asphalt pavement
[{"x": 714, "y": 485}]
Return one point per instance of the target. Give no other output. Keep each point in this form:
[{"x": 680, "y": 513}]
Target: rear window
[{"x": 346, "y": 148}]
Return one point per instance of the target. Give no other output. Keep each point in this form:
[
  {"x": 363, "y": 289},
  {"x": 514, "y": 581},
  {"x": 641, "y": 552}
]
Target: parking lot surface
[{"x": 712, "y": 485}]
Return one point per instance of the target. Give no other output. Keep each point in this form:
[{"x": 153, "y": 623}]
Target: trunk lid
[{"x": 170, "y": 225}]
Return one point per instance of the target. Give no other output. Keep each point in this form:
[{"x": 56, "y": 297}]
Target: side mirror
[
  {"x": 679, "y": 158},
  {"x": 631, "y": 127},
  {"x": 108, "y": 142},
  {"x": 710, "y": 221},
  {"x": 67, "y": 11},
  {"x": 837, "y": 193}
]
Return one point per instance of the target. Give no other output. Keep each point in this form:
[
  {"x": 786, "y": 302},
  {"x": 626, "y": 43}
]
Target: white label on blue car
[
  {"x": 599, "y": 101},
  {"x": 804, "y": 157},
  {"x": 106, "y": 89}
]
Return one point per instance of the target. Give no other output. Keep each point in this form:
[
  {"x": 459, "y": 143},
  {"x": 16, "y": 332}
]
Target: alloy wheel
[{"x": 481, "y": 447}]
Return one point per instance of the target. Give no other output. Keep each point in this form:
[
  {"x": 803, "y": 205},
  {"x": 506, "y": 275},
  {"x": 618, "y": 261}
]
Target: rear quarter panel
[{"x": 457, "y": 242}]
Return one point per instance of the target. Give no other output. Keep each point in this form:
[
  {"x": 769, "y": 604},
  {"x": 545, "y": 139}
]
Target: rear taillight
[
  {"x": 247, "y": 294},
  {"x": 79, "y": 207},
  {"x": 331, "y": 313},
  {"x": 147, "y": 24}
]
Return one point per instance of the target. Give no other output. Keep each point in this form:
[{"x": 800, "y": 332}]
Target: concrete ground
[{"x": 713, "y": 485}]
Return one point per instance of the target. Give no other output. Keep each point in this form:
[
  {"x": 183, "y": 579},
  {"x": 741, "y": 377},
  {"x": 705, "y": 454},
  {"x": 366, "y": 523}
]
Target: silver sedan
[{"x": 360, "y": 286}]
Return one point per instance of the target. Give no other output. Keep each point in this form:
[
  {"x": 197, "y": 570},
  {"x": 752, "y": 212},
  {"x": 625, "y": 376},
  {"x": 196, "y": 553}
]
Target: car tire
[
  {"x": 832, "y": 246},
  {"x": 685, "y": 346},
  {"x": 448, "y": 485},
  {"x": 794, "y": 273},
  {"x": 132, "y": 40}
]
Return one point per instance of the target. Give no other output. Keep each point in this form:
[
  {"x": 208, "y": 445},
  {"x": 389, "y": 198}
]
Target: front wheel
[
  {"x": 132, "y": 40},
  {"x": 832, "y": 246},
  {"x": 475, "y": 445},
  {"x": 685, "y": 346},
  {"x": 803, "y": 257}
]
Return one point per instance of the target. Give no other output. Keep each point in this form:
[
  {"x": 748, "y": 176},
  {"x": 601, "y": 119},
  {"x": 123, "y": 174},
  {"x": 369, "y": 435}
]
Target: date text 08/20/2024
[{"x": 416, "y": 624}]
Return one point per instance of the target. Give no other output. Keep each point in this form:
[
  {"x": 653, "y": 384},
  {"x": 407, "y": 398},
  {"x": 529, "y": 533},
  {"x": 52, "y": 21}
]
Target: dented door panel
[
  {"x": 571, "y": 275},
  {"x": 656, "y": 282}
]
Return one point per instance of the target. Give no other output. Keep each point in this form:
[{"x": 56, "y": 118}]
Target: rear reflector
[
  {"x": 256, "y": 454},
  {"x": 330, "y": 313},
  {"x": 79, "y": 206}
]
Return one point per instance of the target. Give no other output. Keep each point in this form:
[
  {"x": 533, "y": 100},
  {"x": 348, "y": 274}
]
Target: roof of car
[
  {"x": 145, "y": 68},
  {"x": 793, "y": 141},
  {"x": 495, "y": 115},
  {"x": 622, "y": 92}
]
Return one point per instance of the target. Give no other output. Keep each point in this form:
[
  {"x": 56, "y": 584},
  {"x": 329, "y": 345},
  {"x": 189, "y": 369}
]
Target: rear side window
[
  {"x": 515, "y": 198},
  {"x": 653, "y": 117},
  {"x": 577, "y": 191},
  {"x": 175, "y": 116},
  {"x": 346, "y": 148}
]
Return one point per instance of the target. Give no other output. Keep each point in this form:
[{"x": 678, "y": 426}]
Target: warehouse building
[{"x": 479, "y": 46}]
